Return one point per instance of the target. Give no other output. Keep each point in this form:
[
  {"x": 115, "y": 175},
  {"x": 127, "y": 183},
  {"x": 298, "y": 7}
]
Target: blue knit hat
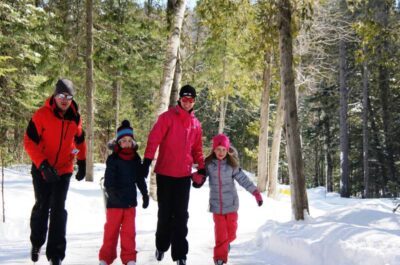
[{"x": 124, "y": 130}]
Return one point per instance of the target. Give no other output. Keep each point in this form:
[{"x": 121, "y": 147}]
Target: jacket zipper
[
  {"x": 59, "y": 147},
  {"x": 220, "y": 187}
]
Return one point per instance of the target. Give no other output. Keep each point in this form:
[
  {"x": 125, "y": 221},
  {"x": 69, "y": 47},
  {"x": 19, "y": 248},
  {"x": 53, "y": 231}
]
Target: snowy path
[{"x": 340, "y": 231}]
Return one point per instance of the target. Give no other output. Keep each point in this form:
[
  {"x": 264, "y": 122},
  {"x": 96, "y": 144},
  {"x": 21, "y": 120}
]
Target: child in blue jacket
[{"x": 120, "y": 180}]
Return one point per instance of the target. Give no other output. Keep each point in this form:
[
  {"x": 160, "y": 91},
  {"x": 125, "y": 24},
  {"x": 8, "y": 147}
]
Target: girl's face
[
  {"x": 220, "y": 152},
  {"x": 126, "y": 142}
]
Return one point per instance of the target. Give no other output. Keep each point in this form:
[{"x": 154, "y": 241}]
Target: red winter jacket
[
  {"x": 55, "y": 138},
  {"x": 178, "y": 135}
]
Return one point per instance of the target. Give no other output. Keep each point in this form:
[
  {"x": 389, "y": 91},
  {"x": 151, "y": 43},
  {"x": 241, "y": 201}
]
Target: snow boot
[
  {"x": 181, "y": 262},
  {"x": 219, "y": 262},
  {"x": 35, "y": 252},
  {"x": 55, "y": 261},
  {"x": 102, "y": 262},
  {"x": 159, "y": 255}
]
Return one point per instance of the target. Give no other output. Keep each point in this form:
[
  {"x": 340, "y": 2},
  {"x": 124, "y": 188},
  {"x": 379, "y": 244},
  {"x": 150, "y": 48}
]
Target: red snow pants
[
  {"x": 225, "y": 226},
  {"x": 119, "y": 221}
]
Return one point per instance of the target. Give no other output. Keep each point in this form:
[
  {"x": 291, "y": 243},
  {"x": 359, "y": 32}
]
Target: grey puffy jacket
[{"x": 223, "y": 195}]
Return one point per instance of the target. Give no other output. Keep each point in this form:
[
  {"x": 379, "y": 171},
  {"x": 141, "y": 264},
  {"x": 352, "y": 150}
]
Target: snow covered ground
[{"x": 339, "y": 231}]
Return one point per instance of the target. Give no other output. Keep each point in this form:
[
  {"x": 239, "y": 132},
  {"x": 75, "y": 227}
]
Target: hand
[
  {"x": 258, "y": 197},
  {"x": 81, "y": 170},
  {"x": 145, "y": 167},
  {"x": 198, "y": 178},
  {"x": 145, "y": 201},
  {"x": 49, "y": 173}
]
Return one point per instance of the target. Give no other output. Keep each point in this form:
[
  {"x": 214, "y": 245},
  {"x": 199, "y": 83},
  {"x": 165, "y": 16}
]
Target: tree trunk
[
  {"x": 262, "y": 165},
  {"x": 177, "y": 82},
  {"x": 377, "y": 147},
  {"x": 275, "y": 148},
  {"x": 116, "y": 99},
  {"x": 89, "y": 91},
  {"x": 171, "y": 57},
  {"x": 344, "y": 135},
  {"x": 328, "y": 156},
  {"x": 295, "y": 159},
  {"x": 384, "y": 86},
  {"x": 3, "y": 203},
  {"x": 365, "y": 128},
  {"x": 222, "y": 113}
]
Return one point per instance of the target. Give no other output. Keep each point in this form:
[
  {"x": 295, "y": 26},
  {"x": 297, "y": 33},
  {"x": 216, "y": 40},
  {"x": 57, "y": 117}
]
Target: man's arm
[{"x": 32, "y": 139}]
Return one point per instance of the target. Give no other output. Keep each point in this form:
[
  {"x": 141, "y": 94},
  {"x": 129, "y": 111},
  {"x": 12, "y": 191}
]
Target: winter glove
[
  {"x": 199, "y": 178},
  {"x": 81, "y": 170},
  {"x": 145, "y": 167},
  {"x": 49, "y": 173},
  {"x": 258, "y": 197},
  {"x": 145, "y": 201}
]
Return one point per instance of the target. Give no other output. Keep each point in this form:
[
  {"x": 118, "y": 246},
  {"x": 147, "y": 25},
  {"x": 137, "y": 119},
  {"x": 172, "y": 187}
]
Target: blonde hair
[{"x": 232, "y": 157}]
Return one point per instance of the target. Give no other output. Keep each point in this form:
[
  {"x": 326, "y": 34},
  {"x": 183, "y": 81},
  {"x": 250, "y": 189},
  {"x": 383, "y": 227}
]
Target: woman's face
[
  {"x": 126, "y": 142},
  {"x": 220, "y": 152}
]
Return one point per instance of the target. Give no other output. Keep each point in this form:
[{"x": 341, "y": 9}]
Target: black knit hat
[
  {"x": 187, "y": 91},
  {"x": 64, "y": 86},
  {"x": 124, "y": 130}
]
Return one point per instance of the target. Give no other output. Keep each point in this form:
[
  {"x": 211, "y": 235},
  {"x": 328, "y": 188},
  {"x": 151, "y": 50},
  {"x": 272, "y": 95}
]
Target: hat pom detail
[{"x": 125, "y": 123}]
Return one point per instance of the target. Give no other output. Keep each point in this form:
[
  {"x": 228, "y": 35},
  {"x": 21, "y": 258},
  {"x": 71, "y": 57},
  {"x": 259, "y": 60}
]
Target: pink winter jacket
[{"x": 178, "y": 135}]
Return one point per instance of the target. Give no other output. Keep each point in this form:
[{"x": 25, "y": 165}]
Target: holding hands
[
  {"x": 258, "y": 197},
  {"x": 199, "y": 178}
]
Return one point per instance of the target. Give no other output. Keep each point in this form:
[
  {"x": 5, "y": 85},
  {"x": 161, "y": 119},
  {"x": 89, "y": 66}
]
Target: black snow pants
[
  {"x": 173, "y": 200},
  {"x": 49, "y": 201}
]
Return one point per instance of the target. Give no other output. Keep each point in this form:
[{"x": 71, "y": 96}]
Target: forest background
[{"x": 347, "y": 79}]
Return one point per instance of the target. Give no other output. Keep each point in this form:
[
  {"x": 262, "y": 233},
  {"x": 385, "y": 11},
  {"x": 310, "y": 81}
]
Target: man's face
[
  {"x": 187, "y": 103},
  {"x": 63, "y": 101}
]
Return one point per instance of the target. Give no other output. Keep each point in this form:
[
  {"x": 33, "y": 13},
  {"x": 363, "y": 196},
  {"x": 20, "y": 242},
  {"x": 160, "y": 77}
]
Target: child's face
[
  {"x": 220, "y": 152},
  {"x": 126, "y": 142}
]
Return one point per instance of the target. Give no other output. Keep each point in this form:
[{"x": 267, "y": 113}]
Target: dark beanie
[
  {"x": 64, "y": 86},
  {"x": 124, "y": 130},
  {"x": 187, "y": 91}
]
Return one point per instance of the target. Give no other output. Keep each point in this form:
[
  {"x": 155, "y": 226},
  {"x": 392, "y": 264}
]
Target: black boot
[
  {"x": 159, "y": 255},
  {"x": 55, "y": 261},
  {"x": 35, "y": 252},
  {"x": 181, "y": 262}
]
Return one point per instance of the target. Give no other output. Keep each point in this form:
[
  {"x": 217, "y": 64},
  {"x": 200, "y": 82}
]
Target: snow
[{"x": 339, "y": 231}]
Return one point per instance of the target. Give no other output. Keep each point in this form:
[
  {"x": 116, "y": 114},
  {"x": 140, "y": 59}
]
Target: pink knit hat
[{"x": 221, "y": 140}]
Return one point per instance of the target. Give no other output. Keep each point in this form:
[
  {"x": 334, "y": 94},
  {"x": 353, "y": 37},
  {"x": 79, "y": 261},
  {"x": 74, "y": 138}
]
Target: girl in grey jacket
[{"x": 222, "y": 168}]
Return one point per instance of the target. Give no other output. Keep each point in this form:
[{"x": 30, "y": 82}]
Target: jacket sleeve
[
  {"x": 32, "y": 139},
  {"x": 156, "y": 135},
  {"x": 80, "y": 142},
  {"x": 110, "y": 173},
  {"x": 243, "y": 180},
  {"x": 197, "y": 151},
  {"x": 140, "y": 180}
]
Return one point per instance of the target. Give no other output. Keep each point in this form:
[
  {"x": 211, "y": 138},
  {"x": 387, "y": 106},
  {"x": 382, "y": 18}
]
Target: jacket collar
[{"x": 71, "y": 113}]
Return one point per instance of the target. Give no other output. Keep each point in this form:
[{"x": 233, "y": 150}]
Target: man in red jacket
[
  {"x": 53, "y": 138},
  {"x": 178, "y": 135}
]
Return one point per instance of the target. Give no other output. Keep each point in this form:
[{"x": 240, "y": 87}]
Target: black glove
[
  {"x": 81, "y": 170},
  {"x": 145, "y": 167},
  {"x": 49, "y": 173},
  {"x": 145, "y": 201}
]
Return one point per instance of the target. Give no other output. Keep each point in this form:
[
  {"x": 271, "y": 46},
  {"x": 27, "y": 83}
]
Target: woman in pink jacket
[{"x": 178, "y": 135}]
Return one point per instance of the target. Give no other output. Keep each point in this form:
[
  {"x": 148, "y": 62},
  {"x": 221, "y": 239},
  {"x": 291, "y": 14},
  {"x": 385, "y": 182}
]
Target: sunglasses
[
  {"x": 63, "y": 96},
  {"x": 188, "y": 99}
]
